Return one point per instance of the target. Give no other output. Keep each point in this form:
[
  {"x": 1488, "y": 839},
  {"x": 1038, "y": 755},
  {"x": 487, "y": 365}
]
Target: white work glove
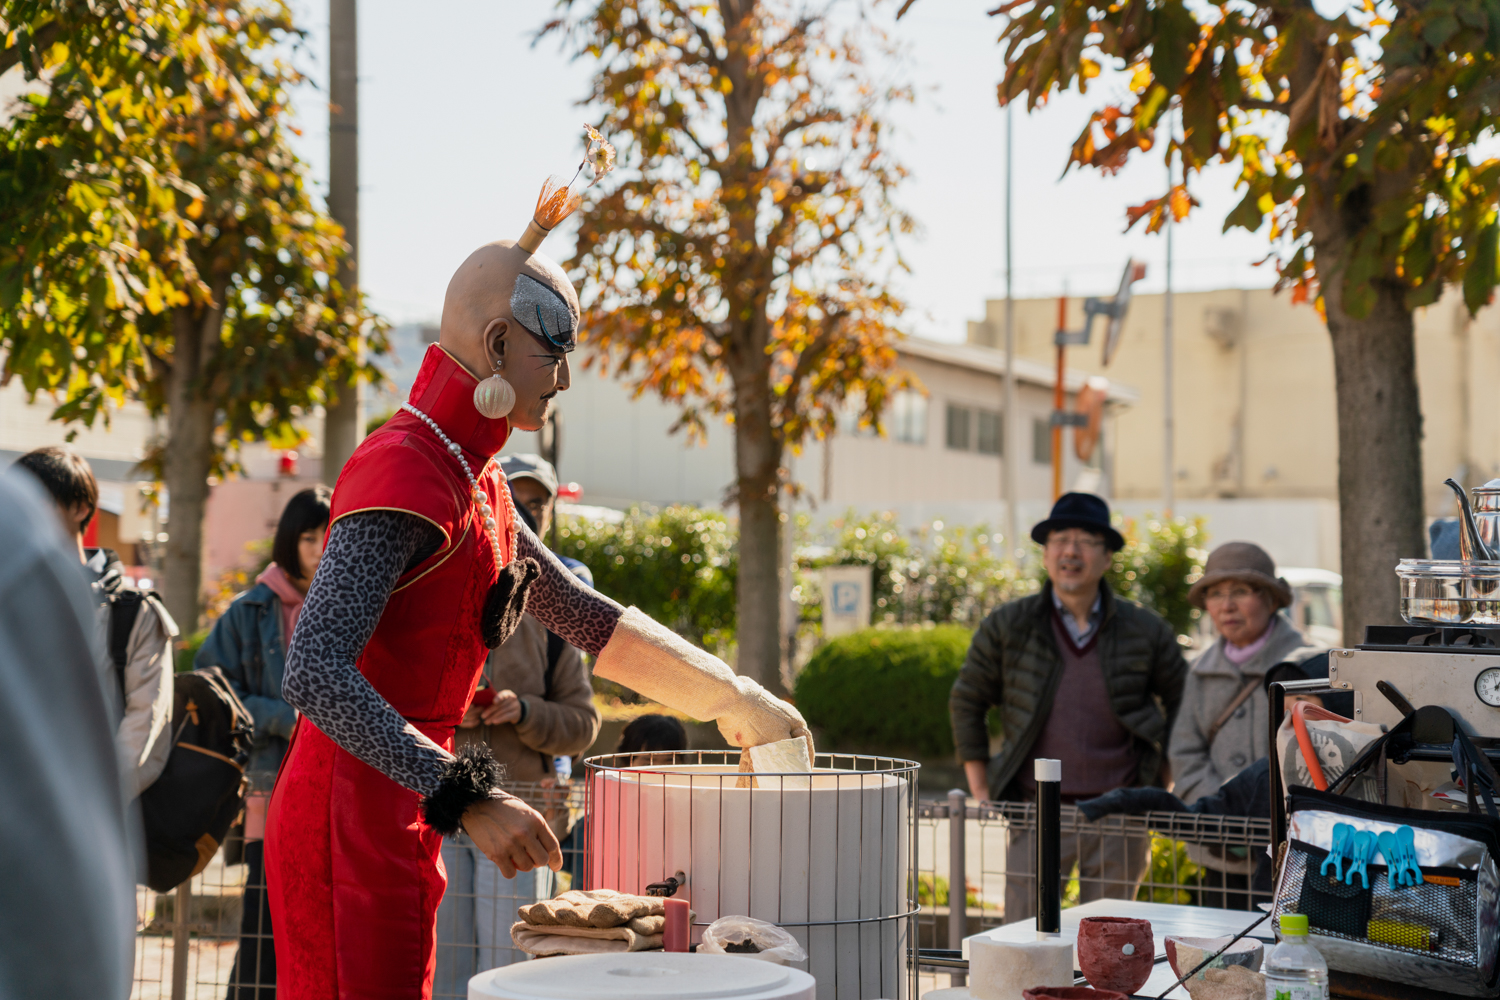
[{"x": 656, "y": 662}]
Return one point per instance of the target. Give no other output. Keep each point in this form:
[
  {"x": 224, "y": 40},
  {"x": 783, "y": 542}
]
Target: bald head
[
  {"x": 502, "y": 282},
  {"x": 515, "y": 313}
]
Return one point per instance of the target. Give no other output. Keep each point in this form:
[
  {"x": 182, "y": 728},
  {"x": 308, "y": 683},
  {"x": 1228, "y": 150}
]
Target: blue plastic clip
[
  {"x": 1406, "y": 849},
  {"x": 1360, "y": 853},
  {"x": 1342, "y": 834}
]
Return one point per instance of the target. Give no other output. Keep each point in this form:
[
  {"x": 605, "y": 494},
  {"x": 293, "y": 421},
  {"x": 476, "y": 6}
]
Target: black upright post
[{"x": 1048, "y": 846}]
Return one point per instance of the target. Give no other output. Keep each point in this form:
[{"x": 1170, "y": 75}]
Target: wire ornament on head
[
  {"x": 494, "y": 397},
  {"x": 559, "y": 200}
]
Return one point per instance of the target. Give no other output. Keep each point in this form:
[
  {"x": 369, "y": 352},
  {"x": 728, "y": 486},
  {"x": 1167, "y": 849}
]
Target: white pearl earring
[{"x": 494, "y": 397}]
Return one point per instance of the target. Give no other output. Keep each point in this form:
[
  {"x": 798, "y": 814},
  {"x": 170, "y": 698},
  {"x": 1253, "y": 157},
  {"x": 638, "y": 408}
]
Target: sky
[{"x": 461, "y": 117}]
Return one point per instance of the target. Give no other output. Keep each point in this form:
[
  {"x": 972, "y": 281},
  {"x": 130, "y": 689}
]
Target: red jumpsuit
[{"x": 353, "y": 872}]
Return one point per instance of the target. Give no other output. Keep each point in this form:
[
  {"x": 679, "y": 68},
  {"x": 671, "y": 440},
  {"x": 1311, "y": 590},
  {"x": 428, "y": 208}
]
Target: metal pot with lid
[{"x": 1480, "y": 538}]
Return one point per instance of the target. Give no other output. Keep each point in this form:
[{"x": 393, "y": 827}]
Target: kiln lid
[{"x": 643, "y": 976}]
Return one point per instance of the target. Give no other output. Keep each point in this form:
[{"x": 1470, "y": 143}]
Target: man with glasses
[{"x": 1078, "y": 675}]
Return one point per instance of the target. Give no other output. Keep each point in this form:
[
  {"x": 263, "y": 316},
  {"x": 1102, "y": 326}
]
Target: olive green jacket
[{"x": 1014, "y": 664}]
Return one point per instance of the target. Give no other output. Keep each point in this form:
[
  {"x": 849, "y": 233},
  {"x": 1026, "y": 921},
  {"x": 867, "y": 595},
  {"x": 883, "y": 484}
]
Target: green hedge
[{"x": 885, "y": 690}]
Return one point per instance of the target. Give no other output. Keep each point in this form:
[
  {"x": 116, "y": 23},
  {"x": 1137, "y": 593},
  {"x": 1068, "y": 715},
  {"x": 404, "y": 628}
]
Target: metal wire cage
[{"x": 829, "y": 856}]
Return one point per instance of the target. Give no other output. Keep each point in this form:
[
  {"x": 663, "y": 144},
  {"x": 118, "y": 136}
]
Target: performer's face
[{"x": 535, "y": 369}]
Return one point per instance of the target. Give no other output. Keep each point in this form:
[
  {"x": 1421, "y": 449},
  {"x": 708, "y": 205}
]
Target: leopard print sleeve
[
  {"x": 562, "y": 602},
  {"x": 366, "y": 553}
]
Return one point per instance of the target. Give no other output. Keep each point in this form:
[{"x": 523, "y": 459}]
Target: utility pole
[
  {"x": 344, "y": 421},
  {"x": 1169, "y": 460},
  {"x": 1058, "y": 416},
  {"x": 1009, "y": 459}
]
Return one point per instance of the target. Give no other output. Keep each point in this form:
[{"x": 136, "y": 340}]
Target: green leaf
[
  {"x": 1247, "y": 214},
  {"x": 1151, "y": 105},
  {"x": 1480, "y": 270},
  {"x": 1172, "y": 47},
  {"x": 1441, "y": 28},
  {"x": 1228, "y": 75}
]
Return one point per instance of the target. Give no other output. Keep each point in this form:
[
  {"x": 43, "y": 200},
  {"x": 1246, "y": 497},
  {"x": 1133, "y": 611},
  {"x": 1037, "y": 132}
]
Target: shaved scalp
[{"x": 481, "y": 290}]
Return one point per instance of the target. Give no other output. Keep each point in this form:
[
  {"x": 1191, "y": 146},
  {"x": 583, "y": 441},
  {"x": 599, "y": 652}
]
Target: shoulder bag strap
[
  {"x": 1239, "y": 699},
  {"x": 124, "y": 609}
]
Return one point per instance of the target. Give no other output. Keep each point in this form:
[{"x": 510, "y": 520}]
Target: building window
[
  {"x": 990, "y": 434},
  {"x": 908, "y": 417},
  {"x": 853, "y": 409},
  {"x": 959, "y": 418},
  {"x": 1041, "y": 442}
]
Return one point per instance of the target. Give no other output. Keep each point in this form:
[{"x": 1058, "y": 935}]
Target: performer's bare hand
[
  {"x": 505, "y": 708},
  {"x": 512, "y": 835},
  {"x": 470, "y": 719}
]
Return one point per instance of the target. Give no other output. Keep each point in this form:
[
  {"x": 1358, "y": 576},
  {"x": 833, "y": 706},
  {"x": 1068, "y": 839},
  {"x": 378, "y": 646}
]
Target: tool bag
[
  {"x": 1313, "y": 742},
  {"x": 1442, "y": 934},
  {"x": 188, "y": 810}
]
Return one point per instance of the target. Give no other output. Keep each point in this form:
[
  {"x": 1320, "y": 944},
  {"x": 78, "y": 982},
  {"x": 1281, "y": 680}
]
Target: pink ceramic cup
[{"x": 1116, "y": 953}]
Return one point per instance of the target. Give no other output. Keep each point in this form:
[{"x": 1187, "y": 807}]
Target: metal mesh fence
[
  {"x": 1161, "y": 857},
  {"x": 196, "y": 942}
]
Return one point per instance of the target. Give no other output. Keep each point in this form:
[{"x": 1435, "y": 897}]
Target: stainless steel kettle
[{"x": 1480, "y": 537}]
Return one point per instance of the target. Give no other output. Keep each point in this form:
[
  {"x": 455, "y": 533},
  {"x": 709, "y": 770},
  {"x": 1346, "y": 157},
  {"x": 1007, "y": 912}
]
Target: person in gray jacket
[
  {"x": 1078, "y": 675},
  {"x": 67, "y": 900},
  {"x": 1224, "y": 723}
]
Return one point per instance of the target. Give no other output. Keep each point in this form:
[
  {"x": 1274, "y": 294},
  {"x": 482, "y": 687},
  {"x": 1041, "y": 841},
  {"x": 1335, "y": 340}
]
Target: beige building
[
  {"x": 1254, "y": 393},
  {"x": 940, "y": 456}
]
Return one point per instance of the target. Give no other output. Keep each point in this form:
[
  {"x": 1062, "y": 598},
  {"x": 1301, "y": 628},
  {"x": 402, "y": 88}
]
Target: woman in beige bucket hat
[{"x": 1223, "y": 724}]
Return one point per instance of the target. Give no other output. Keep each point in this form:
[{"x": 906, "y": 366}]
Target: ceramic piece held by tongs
[
  {"x": 1342, "y": 832},
  {"x": 1361, "y": 851}
]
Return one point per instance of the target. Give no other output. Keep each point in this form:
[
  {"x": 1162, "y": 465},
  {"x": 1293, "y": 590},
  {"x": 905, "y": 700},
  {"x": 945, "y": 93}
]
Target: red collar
[{"x": 444, "y": 390}]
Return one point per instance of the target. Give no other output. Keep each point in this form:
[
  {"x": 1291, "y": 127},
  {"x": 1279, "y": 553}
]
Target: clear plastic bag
[{"x": 775, "y": 944}]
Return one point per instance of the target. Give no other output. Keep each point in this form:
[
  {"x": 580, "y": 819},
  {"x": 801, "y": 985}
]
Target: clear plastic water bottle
[{"x": 1294, "y": 970}]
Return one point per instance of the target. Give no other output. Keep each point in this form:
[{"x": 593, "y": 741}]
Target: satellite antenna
[{"x": 1134, "y": 271}]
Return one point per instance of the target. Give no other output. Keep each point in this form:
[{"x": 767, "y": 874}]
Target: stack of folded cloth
[{"x": 587, "y": 922}]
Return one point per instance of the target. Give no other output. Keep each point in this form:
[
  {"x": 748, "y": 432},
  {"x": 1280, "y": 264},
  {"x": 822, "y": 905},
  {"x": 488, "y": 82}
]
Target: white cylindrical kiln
[{"x": 828, "y": 855}]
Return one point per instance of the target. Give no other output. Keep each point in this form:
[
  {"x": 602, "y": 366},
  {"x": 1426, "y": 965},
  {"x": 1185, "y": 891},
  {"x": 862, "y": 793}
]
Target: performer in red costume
[{"x": 427, "y": 567}]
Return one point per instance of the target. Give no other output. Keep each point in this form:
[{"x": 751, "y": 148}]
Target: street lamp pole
[
  {"x": 1169, "y": 460},
  {"x": 344, "y": 420},
  {"x": 1008, "y": 428}
]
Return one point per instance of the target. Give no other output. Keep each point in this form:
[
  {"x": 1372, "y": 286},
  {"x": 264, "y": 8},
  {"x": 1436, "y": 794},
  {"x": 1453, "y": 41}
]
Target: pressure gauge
[{"x": 1487, "y": 686}]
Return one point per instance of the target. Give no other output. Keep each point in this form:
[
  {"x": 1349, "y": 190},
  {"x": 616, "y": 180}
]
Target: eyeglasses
[
  {"x": 1239, "y": 593},
  {"x": 1088, "y": 543}
]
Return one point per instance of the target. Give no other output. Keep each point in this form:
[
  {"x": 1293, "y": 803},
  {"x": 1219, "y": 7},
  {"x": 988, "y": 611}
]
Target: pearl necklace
[{"x": 481, "y": 499}]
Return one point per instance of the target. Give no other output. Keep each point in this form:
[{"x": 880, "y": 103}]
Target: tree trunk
[
  {"x": 757, "y": 456},
  {"x": 189, "y": 455},
  {"x": 1380, "y": 453}
]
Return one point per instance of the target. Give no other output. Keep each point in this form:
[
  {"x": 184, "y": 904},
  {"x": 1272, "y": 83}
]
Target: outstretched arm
[{"x": 651, "y": 659}]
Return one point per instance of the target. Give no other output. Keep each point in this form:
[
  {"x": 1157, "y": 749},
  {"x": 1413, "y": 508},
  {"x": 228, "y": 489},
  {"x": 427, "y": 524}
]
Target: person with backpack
[
  {"x": 248, "y": 643},
  {"x": 135, "y": 629},
  {"x": 535, "y": 712}
]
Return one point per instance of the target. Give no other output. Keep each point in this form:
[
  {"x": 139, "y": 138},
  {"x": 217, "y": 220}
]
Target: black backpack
[{"x": 190, "y": 807}]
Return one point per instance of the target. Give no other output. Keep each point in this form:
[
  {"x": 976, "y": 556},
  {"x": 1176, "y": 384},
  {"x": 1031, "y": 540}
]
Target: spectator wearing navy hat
[{"x": 1078, "y": 675}]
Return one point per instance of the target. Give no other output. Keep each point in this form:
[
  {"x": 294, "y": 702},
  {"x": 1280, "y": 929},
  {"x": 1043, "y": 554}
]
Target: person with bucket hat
[
  {"x": 1079, "y": 675},
  {"x": 1223, "y": 725}
]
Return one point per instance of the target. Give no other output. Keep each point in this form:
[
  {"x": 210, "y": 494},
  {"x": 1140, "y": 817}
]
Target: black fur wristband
[{"x": 472, "y": 776}]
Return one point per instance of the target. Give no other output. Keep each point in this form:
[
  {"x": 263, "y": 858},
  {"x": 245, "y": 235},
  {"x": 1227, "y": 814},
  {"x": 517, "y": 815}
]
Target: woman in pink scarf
[{"x": 249, "y": 643}]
